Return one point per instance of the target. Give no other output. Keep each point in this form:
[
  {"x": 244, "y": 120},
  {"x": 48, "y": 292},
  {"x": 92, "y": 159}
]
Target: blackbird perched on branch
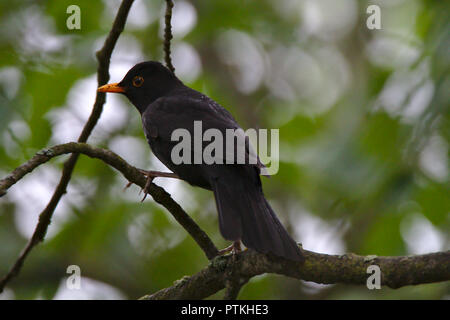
[{"x": 166, "y": 104}]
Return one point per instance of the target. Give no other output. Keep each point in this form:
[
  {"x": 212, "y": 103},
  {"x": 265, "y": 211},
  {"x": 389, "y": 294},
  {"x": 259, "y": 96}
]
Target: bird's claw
[
  {"x": 127, "y": 186},
  {"x": 234, "y": 248},
  {"x": 147, "y": 186},
  {"x": 150, "y": 176}
]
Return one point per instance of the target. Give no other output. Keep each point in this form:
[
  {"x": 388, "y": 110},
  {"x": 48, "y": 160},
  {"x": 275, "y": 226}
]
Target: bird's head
[{"x": 144, "y": 83}]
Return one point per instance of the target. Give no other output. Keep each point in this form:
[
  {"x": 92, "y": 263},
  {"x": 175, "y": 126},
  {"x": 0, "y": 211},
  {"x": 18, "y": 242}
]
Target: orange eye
[{"x": 138, "y": 81}]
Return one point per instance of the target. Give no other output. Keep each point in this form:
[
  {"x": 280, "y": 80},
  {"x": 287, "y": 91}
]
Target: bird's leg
[
  {"x": 155, "y": 174},
  {"x": 235, "y": 248},
  {"x": 227, "y": 249},
  {"x": 152, "y": 175}
]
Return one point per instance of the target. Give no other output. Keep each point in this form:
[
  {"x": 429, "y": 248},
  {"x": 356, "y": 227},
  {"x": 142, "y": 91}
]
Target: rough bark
[{"x": 320, "y": 268}]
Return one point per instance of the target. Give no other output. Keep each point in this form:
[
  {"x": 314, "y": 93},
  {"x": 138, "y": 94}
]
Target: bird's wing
[{"x": 167, "y": 114}]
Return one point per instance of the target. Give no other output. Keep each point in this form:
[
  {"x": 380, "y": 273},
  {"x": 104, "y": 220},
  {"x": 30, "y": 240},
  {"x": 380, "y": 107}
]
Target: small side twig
[
  {"x": 232, "y": 290},
  {"x": 168, "y": 35},
  {"x": 233, "y": 279}
]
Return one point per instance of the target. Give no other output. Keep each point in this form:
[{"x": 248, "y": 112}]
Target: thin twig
[
  {"x": 103, "y": 56},
  {"x": 168, "y": 35}
]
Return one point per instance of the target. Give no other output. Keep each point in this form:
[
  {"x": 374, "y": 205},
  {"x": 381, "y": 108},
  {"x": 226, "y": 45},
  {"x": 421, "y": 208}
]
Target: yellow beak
[{"x": 111, "y": 87}]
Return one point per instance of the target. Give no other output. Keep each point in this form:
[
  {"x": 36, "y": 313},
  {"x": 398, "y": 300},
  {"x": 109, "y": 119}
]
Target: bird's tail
[{"x": 244, "y": 214}]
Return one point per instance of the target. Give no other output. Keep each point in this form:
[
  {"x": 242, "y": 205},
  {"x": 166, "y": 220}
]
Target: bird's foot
[
  {"x": 147, "y": 187},
  {"x": 152, "y": 175},
  {"x": 234, "y": 248}
]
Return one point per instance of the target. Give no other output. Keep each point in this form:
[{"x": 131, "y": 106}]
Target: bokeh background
[{"x": 364, "y": 137}]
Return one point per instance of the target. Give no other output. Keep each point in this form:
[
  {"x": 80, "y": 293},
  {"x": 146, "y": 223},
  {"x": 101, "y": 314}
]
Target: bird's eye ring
[{"x": 138, "y": 81}]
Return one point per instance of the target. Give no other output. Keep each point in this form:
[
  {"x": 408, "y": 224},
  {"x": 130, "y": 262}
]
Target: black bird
[{"x": 166, "y": 104}]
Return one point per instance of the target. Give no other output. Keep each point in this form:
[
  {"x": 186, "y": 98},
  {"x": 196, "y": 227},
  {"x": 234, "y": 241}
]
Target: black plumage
[{"x": 166, "y": 104}]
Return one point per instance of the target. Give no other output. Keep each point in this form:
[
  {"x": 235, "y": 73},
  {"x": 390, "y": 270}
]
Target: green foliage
[{"x": 364, "y": 136}]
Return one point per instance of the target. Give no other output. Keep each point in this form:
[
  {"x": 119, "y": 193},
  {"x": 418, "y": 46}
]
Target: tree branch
[
  {"x": 131, "y": 173},
  {"x": 45, "y": 216},
  {"x": 231, "y": 272},
  {"x": 168, "y": 35},
  {"x": 103, "y": 57},
  {"x": 320, "y": 268}
]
